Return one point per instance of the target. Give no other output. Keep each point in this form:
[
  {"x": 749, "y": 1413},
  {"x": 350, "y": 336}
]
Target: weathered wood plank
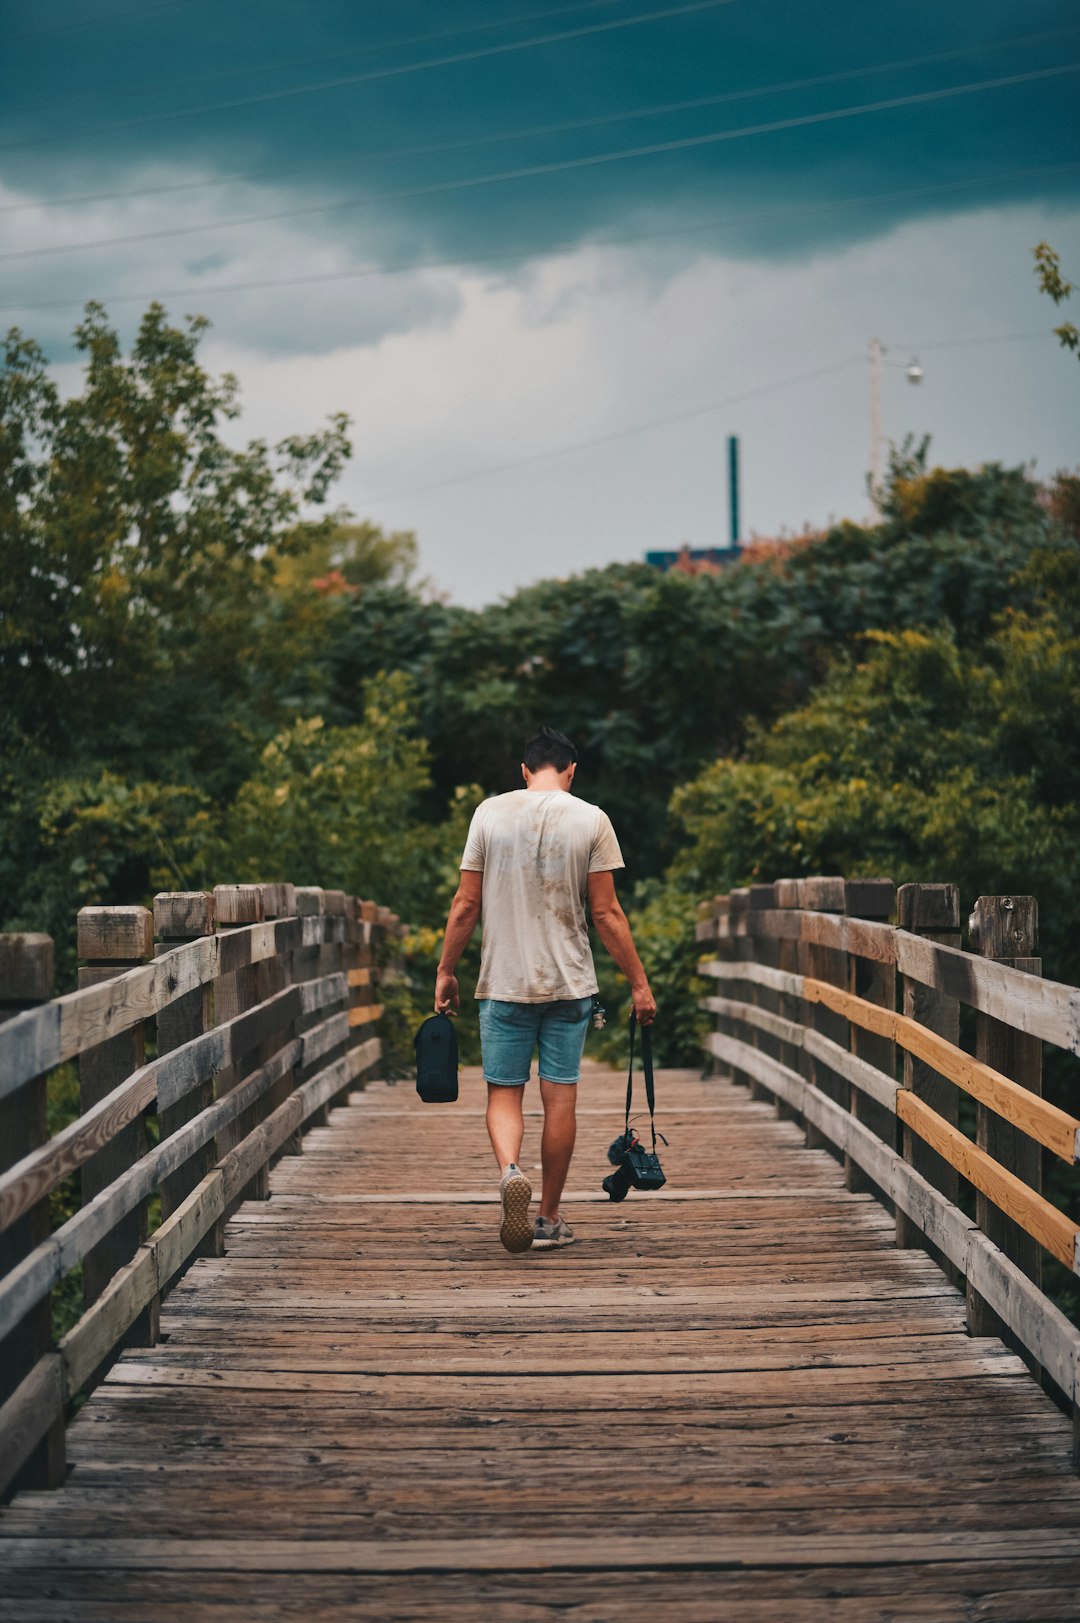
[
  {"x": 1055, "y": 1128},
  {"x": 1035, "y": 1215},
  {"x": 862, "y": 1075},
  {"x": 1046, "y": 1009},
  {"x": 64, "y": 1249},
  {"x": 40, "y": 1039},
  {"x": 528, "y": 1554},
  {"x": 1029, "y": 1314},
  {"x": 781, "y": 980},
  {"x": 31, "y": 1179},
  {"x": 166, "y": 1080},
  {"x": 355, "y": 1368},
  {"x": 28, "y": 1414}
]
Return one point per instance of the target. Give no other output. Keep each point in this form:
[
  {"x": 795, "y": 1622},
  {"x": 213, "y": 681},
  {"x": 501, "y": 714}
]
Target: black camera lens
[{"x": 617, "y": 1184}]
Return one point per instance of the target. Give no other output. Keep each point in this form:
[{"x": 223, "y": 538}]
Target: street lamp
[{"x": 914, "y": 374}]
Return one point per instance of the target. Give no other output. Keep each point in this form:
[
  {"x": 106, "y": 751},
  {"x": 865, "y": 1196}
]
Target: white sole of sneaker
[{"x": 516, "y": 1232}]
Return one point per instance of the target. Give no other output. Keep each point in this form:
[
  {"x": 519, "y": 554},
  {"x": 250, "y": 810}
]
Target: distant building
[{"x": 694, "y": 560}]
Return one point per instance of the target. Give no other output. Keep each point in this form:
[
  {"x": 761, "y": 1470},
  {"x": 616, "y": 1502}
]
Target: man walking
[{"x": 531, "y": 859}]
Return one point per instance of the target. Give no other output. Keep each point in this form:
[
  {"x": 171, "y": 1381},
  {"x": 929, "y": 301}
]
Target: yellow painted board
[
  {"x": 1015, "y": 1104},
  {"x": 364, "y": 1015},
  {"x": 1035, "y": 1215}
]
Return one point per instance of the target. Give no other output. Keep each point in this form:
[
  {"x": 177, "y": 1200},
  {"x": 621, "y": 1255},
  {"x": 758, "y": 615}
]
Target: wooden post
[
  {"x": 26, "y": 979},
  {"x": 334, "y": 959},
  {"x": 273, "y": 975},
  {"x": 724, "y": 952},
  {"x": 310, "y": 903},
  {"x": 742, "y": 952},
  {"x": 1006, "y": 929},
  {"x": 868, "y": 978},
  {"x": 790, "y": 959},
  {"x": 111, "y": 940},
  {"x": 760, "y": 950},
  {"x": 236, "y": 906},
  {"x": 932, "y": 911},
  {"x": 181, "y": 916},
  {"x": 824, "y": 894}
]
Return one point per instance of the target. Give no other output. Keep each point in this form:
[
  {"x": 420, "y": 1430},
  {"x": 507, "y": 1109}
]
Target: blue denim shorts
[{"x": 511, "y": 1032}]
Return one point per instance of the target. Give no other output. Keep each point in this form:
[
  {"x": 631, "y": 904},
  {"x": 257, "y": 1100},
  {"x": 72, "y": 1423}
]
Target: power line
[
  {"x": 533, "y": 170},
  {"x": 677, "y": 417},
  {"x": 102, "y": 17},
  {"x": 654, "y": 110},
  {"x": 617, "y": 434},
  {"x": 321, "y": 56},
  {"x": 368, "y": 78},
  {"x": 983, "y": 338},
  {"x": 690, "y": 227}
]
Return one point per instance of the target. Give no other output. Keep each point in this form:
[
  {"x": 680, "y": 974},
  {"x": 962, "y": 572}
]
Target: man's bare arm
[
  {"x": 614, "y": 931},
  {"x": 460, "y": 924}
]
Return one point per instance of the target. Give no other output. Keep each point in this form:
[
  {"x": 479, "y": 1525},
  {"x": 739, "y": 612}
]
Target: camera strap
[{"x": 646, "y": 1066}]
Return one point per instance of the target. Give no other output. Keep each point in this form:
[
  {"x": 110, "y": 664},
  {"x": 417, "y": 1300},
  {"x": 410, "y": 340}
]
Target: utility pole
[
  {"x": 733, "y": 486},
  {"x": 876, "y": 354}
]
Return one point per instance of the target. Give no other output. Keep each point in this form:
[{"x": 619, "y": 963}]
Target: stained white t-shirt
[{"x": 536, "y": 849}]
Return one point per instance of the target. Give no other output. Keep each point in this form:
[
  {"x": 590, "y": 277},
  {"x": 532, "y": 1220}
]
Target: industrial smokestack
[{"x": 733, "y": 486}]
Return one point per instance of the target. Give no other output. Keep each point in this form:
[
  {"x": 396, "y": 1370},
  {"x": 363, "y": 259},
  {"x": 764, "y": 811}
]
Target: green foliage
[
  {"x": 341, "y": 557},
  {"x": 73, "y": 841},
  {"x": 134, "y": 568},
  {"x": 918, "y": 758},
  {"x": 1054, "y": 285},
  {"x": 663, "y": 918},
  {"x": 336, "y": 805},
  {"x": 653, "y": 674}
]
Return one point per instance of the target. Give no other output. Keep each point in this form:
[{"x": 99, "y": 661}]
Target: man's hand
[
  {"x": 614, "y": 932},
  {"x": 447, "y": 995},
  {"x": 644, "y": 1004},
  {"x": 464, "y": 913}
]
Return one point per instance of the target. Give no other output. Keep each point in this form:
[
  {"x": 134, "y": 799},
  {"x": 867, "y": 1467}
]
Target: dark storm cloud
[{"x": 207, "y": 89}]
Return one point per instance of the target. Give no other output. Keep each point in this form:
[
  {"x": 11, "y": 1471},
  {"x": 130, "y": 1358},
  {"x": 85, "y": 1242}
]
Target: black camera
[{"x": 635, "y": 1168}]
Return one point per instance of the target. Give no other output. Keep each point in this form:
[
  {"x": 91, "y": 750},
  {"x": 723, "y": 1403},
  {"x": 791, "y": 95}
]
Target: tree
[
  {"x": 653, "y": 674},
  {"x": 338, "y": 806},
  {"x": 135, "y": 544},
  {"x": 1054, "y": 285},
  {"x": 344, "y": 556}
]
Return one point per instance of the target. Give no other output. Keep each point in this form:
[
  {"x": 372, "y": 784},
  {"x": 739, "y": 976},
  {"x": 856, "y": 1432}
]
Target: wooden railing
[
  {"x": 851, "y": 1024},
  {"x": 258, "y": 1004}
]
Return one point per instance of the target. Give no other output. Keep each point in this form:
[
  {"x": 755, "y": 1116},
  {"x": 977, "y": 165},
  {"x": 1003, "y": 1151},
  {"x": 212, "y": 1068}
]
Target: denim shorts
[{"x": 511, "y": 1032}]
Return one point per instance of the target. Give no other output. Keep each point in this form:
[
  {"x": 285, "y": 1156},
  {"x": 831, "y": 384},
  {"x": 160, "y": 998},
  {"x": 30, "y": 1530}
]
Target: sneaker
[
  {"x": 516, "y": 1232},
  {"x": 548, "y": 1234}
]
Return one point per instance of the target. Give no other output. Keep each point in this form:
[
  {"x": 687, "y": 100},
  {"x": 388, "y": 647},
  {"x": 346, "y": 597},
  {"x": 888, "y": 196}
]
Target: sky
[{"x": 548, "y": 257}]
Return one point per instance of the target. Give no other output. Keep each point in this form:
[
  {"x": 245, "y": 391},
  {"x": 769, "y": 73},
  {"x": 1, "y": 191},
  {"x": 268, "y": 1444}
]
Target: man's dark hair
[{"x": 548, "y": 748}]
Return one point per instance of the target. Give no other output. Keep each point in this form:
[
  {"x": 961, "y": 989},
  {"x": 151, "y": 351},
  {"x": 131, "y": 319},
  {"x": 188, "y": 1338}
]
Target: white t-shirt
[{"x": 536, "y": 849}]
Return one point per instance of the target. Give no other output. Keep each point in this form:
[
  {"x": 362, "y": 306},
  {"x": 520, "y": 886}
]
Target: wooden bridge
[{"x": 319, "y": 1388}]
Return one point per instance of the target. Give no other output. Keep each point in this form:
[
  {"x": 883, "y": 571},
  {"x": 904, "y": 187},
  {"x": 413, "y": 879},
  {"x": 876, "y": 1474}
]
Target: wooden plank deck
[{"x": 736, "y": 1400}]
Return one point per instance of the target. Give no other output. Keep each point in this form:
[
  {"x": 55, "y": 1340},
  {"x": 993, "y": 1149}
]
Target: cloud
[
  {"x": 755, "y": 260},
  {"x": 593, "y": 342},
  {"x": 103, "y": 105},
  {"x": 343, "y": 308}
]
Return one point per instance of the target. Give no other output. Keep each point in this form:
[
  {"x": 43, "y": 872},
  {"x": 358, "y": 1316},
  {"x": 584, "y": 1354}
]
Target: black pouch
[{"x": 437, "y": 1061}]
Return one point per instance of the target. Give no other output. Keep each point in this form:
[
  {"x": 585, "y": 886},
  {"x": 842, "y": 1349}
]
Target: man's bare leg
[
  {"x": 557, "y": 1144},
  {"x": 505, "y": 1123}
]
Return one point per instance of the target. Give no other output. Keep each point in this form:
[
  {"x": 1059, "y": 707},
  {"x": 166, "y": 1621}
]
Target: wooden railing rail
[
  {"x": 260, "y": 1011},
  {"x": 900, "y": 1136}
]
